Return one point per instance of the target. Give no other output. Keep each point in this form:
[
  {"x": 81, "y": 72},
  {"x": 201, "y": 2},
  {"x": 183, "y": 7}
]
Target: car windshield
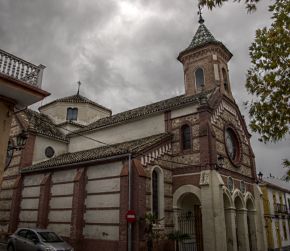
[{"x": 49, "y": 237}]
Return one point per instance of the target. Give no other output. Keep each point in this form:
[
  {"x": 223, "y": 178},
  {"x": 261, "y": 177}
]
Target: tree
[{"x": 268, "y": 78}]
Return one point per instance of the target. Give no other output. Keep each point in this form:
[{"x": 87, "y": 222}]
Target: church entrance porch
[{"x": 189, "y": 221}]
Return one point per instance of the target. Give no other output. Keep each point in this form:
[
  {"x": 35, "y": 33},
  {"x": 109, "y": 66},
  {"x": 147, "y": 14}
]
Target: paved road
[{"x": 2, "y": 247}]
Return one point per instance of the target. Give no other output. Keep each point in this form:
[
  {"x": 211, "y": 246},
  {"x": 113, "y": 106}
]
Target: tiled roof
[
  {"x": 133, "y": 147},
  {"x": 277, "y": 182},
  {"x": 144, "y": 111},
  {"x": 42, "y": 124},
  {"x": 203, "y": 37},
  {"x": 76, "y": 99}
]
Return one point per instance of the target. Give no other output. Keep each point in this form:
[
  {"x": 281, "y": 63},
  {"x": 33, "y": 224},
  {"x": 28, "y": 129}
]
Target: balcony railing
[
  {"x": 280, "y": 208},
  {"x": 20, "y": 69}
]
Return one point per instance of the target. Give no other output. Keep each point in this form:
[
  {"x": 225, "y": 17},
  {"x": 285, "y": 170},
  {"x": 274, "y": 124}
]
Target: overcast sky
[{"x": 124, "y": 51}]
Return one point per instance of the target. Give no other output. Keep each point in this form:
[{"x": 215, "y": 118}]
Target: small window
[
  {"x": 72, "y": 114},
  {"x": 230, "y": 184},
  {"x": 155, "y": 191},
  {"x": 225, "y": 79},
  {"x": 49, "y": 152},
  {"x": 199, "y": 78},
  {"x": 242, "y": 187},
  {"x": 186, "y": 137}
]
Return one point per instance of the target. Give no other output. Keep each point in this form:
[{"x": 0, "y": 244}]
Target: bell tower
[{"x": 205, "y": 63}]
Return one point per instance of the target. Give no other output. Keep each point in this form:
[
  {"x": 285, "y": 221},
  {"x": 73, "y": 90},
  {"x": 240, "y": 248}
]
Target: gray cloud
[{"x": 124, "y": 52}]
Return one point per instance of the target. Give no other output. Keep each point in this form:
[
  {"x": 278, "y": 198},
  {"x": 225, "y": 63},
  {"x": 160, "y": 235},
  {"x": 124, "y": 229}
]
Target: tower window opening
[
  {"x": 186, "y": 137},
  {"x": 199, "y": 78},
  {"x": 225, "y": 79},
  {"x": 72, "y": 114},
  {"x": 155, "y": 199}
]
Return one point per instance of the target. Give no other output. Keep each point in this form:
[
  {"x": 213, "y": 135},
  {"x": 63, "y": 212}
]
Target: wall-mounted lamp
[
  {"x": 220, "y": 162},
  {"x": 21, "y": 139},
  {"x": 260, "y": 176}
]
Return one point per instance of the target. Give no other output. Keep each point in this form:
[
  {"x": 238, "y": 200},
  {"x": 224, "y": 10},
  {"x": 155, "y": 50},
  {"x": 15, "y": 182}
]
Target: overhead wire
[{"x": 107, "y": 144}]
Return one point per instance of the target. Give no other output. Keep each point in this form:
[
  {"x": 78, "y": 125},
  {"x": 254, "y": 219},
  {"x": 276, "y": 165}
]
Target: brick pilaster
[
  {"x": 27, "y": 152},
  {"x": 207, "y": 139},
  {"x": 15, "y": 204},
  {"x": 78, "y": 208},
  {"x": 44, "y": 197}
]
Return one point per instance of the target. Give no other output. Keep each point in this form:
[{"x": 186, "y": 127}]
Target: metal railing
[
  {"x": 20, "y": 69},
  {"x": 280, "y": 208}
]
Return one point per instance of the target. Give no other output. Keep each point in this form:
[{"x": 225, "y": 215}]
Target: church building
[{"x": 186, "y": 160}]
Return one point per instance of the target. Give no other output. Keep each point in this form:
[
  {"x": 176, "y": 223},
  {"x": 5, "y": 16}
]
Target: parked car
[{"x": 33, "y": 239}]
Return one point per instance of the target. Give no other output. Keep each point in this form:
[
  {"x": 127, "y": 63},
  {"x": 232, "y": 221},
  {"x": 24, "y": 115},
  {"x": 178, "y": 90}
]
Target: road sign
[{"x": 131, "y": 216}]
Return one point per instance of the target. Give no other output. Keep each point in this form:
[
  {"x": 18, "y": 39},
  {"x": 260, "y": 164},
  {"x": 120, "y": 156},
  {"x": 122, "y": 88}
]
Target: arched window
[
  {"x": 155, "y": 199},
  {"x": 225, "y": 79},
  {"x": 157, "y": 192},
  {"x": 72, "y": 113},
  {"x": 199, "y": 78},
  {"x": 185, "y": 137}
]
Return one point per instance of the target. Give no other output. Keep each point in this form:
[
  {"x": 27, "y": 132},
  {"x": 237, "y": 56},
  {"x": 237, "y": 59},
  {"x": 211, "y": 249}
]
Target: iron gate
[{"x": 187, "y": 225}]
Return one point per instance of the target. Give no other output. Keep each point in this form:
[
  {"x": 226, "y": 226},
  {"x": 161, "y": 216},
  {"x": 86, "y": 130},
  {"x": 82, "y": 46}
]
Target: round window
[
  {"x": 232, "y": 145},
  {"x": 49, "y": 152}
]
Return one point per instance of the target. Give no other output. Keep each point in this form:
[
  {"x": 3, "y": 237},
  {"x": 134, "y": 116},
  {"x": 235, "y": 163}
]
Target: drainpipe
[{"x": 129, "y": 203}]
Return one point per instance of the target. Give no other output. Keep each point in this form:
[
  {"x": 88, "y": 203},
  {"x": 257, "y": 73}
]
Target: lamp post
[{"x": 20, "y": 143}]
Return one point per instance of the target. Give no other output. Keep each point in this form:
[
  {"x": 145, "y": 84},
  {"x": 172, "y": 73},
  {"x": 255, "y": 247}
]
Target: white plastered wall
[
  {"x": 103, "y": 202},
  {"x": 41, "y": 143},
  {"x": 120, "y": 133},
  {"x": 60, "y": 204},
  {"x": 87, "y": 113}
]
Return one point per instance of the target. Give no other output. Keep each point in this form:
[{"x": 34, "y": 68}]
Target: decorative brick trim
[
  {"x": 167, "y": 118},
  {"x": 44, "y": 198},
  {"x": 27, "y": 152},
  {"x": 78, "y": 208},
  {"x": 15, "y": 204}
]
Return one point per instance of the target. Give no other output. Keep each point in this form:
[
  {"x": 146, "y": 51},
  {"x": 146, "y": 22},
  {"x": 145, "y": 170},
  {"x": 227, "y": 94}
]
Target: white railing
[{"x": 20, "y": 69}]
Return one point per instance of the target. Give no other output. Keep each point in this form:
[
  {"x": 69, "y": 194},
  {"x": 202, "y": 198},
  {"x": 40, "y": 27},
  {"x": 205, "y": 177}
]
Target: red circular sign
[{"x": 131, "y": 216}]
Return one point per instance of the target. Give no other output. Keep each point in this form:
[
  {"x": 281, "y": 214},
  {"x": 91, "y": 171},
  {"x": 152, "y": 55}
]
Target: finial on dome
[{"x": 201, "y": 20}]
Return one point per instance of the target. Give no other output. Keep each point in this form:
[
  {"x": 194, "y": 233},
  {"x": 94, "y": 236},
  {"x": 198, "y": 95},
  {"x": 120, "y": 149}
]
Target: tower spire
[{"x": 201, "y": 20}]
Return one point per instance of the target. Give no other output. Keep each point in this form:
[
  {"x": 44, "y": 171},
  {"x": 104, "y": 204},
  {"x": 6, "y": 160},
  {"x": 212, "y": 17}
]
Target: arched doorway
[
  {"x": 251, "y": 221},
  {"x": 188, "y": 218},
  {"x": 241, "y": 223}
]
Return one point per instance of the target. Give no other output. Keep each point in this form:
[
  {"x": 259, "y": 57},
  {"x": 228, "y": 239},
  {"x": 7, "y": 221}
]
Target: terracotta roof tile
[
  {"x": 144, "y": 111},
  {"x": 42, "y": 124},
  {"x": 134, "y": 146},
  {"x": 76, "y": 99}
]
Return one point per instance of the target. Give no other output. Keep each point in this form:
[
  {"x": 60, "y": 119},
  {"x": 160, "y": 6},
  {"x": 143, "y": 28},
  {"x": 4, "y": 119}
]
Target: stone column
[
  {"x": 212, "y": 208},
  {"x": 260, "y": 221},
  {"x": 242, "y": 230},
  {"x": 253, "y": 230},
  {"x": 230, "y": 219}
]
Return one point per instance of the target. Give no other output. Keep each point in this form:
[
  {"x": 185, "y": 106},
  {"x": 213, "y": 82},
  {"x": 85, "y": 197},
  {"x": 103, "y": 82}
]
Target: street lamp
[
  {"x": 220, "y": 162},
  {"x": 21, "y": 139}
]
